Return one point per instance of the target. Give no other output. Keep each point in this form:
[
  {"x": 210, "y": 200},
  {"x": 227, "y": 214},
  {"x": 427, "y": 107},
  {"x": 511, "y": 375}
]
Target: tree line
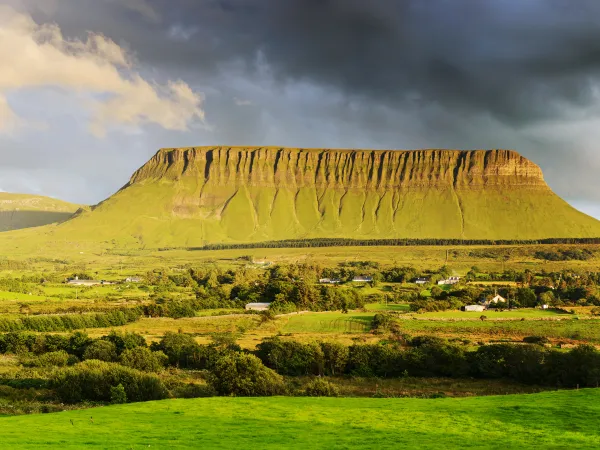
[{"x": 341, "y": 242}]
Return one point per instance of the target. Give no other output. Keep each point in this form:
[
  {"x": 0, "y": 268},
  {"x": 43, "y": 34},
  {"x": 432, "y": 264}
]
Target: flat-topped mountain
[
  {"x": 24, "y": 211},
  {"x": 195, "y": 196}
]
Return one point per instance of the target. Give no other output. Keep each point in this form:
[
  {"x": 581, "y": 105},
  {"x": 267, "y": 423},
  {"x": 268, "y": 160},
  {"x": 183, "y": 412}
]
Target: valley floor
[{"x": 563, "y": 419}]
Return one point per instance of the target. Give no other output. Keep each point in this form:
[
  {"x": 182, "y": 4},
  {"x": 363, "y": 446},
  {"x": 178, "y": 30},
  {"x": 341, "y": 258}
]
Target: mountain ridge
[
  {"x": 19, "y": 211},
  {"x": 202, "y": 195}
]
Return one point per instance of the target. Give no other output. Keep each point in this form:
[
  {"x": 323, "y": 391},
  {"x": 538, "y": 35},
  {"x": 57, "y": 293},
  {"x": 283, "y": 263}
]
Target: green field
[
  {"x": 566, "y": 419},
  {"x": 387, "y": 307},
  {"x": 353, "y": 322},
  {"x": 491, "y": 314},
  {"x": 585, "y": 330}
]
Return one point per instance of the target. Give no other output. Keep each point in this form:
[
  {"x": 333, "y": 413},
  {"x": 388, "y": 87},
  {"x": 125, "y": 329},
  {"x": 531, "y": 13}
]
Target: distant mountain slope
[
  {"x": 24, "y": 211},
  {"x": 195, "y": 196}
]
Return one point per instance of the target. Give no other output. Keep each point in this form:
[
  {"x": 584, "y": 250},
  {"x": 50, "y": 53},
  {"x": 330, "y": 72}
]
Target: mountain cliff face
[
  {"x": 194, "y": 196},
  {"x": 24, "y": 211},
  {"x": 343, "y": 169}
]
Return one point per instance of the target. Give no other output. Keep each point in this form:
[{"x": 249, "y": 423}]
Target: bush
[
  {"x": 125, "y": 341},
  {"x": 181, "y": 349},
  {"x": 92, "y": 380},
  {"x": 142, "y": 358},
  {"x": 318, "y": 387},
  {"x": 118, "y": 394},
  {"x": 101, "y": 350},
  {"x": 243, "y": 375},
  {"x": 50, "y": 359},
  {"x": 291, "y": 357},
  {"x": 540, "y": 340}
]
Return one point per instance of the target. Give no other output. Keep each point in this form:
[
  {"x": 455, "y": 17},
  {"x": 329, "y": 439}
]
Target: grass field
[
  {"x": 387, "y": 307},
  {"x": 353, "y": 322},
  {"x": 577, "y": 330},
  {"x": 565, "y": 419},
  {"x": 491, "y": 315}
]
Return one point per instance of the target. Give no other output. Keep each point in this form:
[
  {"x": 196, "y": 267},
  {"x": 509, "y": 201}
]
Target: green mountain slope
[
  {"x": 24, "y": 211},
  {"x": 195, "y": 196}
]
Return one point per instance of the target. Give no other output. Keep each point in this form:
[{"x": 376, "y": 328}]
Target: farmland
[{"x": 565, "y": 419}]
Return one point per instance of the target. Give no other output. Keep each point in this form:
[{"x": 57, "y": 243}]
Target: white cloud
[{"x": 37, "y": 56}]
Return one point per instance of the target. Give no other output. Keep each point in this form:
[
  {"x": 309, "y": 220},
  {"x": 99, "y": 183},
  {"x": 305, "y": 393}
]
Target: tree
[
  {"x": 526, "y": 297},
  {"x": 144, "y": 359},
  {"x": 101, "y": 350},
  {"x": 243, "y": 375}
]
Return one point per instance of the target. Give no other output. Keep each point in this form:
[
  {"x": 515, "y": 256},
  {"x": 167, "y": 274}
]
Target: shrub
[
  {"x": 239, "y": 374},
  {"x": 125, "y": 341},
  {"x": 50, "y": 359},
  {"x": 291, "y": 357},
  {"x": 142, "y": 358},
  {"x": 92, "y": 380},
  {"x": 181, "y": 349},
  {"x": 118, "y": 394},
  {"x": 318, "y": 387},
  {"x": 101, "y": 350},
  {"x": 540, "y": 340}
]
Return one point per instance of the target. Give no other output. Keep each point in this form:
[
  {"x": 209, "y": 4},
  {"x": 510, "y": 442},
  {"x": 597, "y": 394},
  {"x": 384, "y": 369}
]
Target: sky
[{"x": 91, "y": 89}]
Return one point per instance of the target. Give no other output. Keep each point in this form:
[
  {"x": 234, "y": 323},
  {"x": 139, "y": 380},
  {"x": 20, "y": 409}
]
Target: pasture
[
  {"x": 353, "y": 322},
  {"x": 565, "y": 419}
]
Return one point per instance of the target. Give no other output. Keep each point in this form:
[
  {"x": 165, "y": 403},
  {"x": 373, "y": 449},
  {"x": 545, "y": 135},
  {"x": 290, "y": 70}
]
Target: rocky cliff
[
  {"x": 194, "y": 196},
  {"x": 343, "y": 169}
]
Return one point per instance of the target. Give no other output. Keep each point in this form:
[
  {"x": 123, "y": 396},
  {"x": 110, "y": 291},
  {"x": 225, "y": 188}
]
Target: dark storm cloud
[
  {"x": 517, "y": 60},
  {"x": 357, "y": 73}
]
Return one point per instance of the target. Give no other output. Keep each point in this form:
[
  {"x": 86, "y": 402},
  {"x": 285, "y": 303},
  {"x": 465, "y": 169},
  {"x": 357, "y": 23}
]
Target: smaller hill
[{"x": 25, "y": 211}]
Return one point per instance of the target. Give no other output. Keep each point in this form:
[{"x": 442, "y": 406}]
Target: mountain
[
  {"x": 195, "y": 196},
  {"x": 23, "y": 211}
]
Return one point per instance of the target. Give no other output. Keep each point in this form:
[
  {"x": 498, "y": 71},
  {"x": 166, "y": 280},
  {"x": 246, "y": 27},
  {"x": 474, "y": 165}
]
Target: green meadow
[{"x": 565, "y": 419}]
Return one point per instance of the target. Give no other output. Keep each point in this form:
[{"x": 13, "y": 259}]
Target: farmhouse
[
  {"x": 78, "y": 282},
  {"x": 133, "y": 280},
  {"x": 473, "y": 308},
  {"x": 449, "y": 280},
  {"x": 362, "y": 279},
  {"x": 257, "y": 306},
  {"x": 497, "y": 299},
  {"x": 422, "y": 281},
  {"x": 330, "y": 281}
]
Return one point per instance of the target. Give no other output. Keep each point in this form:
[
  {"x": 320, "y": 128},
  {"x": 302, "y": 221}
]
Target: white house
[
  {"x": 78, "y": 282},
  {"x": 362, "y": 279},
  {"x": 422, "y": 281},
  {"x": 449, "y": 280},
  {"x": 133, "y": 280},
  {"x": 478, "y": 308},
  {"x": 497, "y": 299},
  {"x": 330, "y": 281},
  {"x": 257, "y": 306}
]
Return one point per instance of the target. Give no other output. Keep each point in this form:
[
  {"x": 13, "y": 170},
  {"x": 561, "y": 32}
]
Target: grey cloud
[{"x": 355, "y": 73}]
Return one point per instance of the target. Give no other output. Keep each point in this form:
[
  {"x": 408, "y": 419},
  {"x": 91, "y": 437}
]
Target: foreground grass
[{"x": 567, "y": 419}]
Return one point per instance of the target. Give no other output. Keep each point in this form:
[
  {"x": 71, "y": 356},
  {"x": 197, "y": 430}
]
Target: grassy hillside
[
  {"x": 192, "y": 197},
  {"x": 566, "y": 419},
  {"x": 24, "y": 211}
]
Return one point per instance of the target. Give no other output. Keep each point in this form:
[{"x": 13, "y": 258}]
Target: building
[
  {"x": 496, "y": 299},
  {"x": 545, "y": 307},
  {"x": 78, "y": 282},
  {"x": 133, "y": 280},
  {"x": 422, "y": 280},
  {"x": 478, "y": 308},
  {"x": 449, "y": 280},
  {"x": 257, "y": 306},
  {"x": 330, "y": 281},
  {"x": 362, "y": 279}
]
